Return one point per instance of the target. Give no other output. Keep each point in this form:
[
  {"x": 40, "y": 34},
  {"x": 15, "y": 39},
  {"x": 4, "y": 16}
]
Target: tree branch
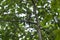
[
  {"x": 37, "y": 20},
  {"x": 17, "y": 21}
]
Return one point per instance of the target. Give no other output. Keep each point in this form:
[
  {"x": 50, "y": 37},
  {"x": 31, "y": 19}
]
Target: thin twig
[{"x": 17, "y": 21}]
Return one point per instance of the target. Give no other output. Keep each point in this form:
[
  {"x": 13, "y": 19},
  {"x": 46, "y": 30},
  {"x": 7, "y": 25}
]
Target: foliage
[{"x": 18, "y": 20}]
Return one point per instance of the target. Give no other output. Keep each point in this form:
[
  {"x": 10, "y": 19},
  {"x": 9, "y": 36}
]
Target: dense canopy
[{"x": 29, "y": 19}]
